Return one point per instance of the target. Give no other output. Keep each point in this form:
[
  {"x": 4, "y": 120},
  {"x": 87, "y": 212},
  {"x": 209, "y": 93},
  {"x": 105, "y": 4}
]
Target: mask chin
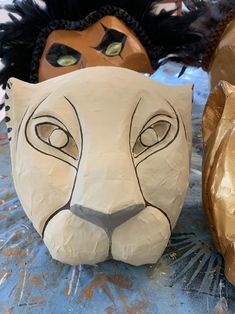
[{"x": 86, "y": 243}]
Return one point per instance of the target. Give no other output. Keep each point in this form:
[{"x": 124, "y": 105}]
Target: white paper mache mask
[{"x": 100, "y": 162}]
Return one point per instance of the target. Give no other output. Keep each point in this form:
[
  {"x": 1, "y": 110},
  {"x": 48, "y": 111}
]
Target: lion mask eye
[
  {"x": 112, "y": 43},
  {"x": 57, "y": 137},
  {"x": 60, "y": 55},
  {"x": 67, "y": 60},
  {"x": 151, "y": 136},
  {"x": 114, "y": 49}
]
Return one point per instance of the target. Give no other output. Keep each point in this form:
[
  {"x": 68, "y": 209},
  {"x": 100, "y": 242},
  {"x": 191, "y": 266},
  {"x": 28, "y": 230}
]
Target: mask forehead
[
  {"x": 107, "y": 102},
  {"x": 105, "y": 105},
  {"x": 92, "y": 46}
]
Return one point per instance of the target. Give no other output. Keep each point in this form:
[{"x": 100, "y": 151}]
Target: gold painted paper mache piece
[{"x": 219, "y": 171}]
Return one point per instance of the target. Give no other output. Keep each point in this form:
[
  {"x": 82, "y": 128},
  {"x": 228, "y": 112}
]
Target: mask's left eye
[
  {"x": 58, "y": 138},
  {"x": 155, "y": 133}
]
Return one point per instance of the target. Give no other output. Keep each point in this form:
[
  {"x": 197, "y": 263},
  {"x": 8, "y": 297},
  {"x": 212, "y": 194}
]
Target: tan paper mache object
[
  {"x": 101, "y": 161},
  {"x": 219, "y": 171}
]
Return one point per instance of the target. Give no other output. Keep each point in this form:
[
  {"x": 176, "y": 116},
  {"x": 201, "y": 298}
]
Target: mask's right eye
[
  {"x": 60, "y": 55},
  {"x": 57, "y": 137},
  {"x": 112, "y": 43}
]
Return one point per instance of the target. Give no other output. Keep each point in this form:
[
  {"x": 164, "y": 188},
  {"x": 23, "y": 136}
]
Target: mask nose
[
  {"x": 107, "y": 191},
  {"x": 108, "y": 222},
  {"x": 87, "y": 60}
]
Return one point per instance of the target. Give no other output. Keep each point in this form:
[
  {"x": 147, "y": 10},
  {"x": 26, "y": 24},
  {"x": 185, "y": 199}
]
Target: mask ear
[
  {"x": 17, "y": 100},
  {"x": 182, "y": 100}
]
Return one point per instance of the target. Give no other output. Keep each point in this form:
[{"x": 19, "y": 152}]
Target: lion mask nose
[{"x": 108, "y": 222}]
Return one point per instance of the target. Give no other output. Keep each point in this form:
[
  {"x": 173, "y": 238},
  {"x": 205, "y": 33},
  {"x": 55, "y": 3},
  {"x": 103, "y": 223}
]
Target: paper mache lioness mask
[{"x": 100, "y": 161}]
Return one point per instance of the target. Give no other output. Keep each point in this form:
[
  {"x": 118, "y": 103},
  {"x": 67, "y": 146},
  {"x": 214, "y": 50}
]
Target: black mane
[{"x": 28, "y": 18}]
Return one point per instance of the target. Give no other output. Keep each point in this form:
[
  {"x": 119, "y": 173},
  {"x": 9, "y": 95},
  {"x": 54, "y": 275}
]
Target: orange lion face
[{"x": 108, "y": 42}]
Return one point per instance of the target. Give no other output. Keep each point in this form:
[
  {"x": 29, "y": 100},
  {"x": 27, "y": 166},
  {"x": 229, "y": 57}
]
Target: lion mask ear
[
  {"x": 183, "y": 102},
  {"x": 18, "y": 98}
]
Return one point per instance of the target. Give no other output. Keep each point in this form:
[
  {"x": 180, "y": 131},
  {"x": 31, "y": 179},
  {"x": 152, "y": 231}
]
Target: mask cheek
[
  {"x": 47, "y": 71},
  {"x": 164, "y": 177},
  {"x": 43, "y": 183},
  {"x": 76, "y": 241},
  {"x": 138, "y": 62}
]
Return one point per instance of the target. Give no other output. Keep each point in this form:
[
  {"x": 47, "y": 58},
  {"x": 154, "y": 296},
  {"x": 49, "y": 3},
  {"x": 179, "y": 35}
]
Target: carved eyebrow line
[
  {"x": 67, "y": 205},
  {"x": 21, "y": 122},
  {"x": 72, "y": 105},
  {"x": 52, "y": 117},
  {"x": 18, "y": 131}
]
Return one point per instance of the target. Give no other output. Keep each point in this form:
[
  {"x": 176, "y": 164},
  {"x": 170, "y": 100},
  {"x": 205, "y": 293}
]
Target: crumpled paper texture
[{"x": 218, "y": 187}]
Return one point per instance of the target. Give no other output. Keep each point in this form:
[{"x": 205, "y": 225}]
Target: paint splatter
[
  {"x": 109, "y": 310},
  {"x": 102, "y": 281},
  {"x": 35, "y": 280},
  {"x": 222, "y": 307},
  {"x": 120, "y": 281},
  {"x": 14, "y": 252},
  {"x": 5, "y": 310},
  {"x": 8, "y": 196},
  {"x": 139, "y": 308},
  {"x": 3, "y": 137},
  {"x": 36, "y": 301}
]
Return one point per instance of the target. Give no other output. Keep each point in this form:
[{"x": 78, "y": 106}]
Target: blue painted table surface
[{"x": 188, "y": 279}]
